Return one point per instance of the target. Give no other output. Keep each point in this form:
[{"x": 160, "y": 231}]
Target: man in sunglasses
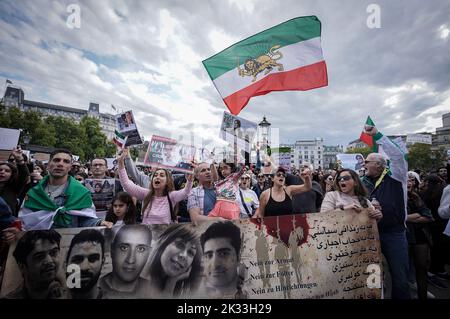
[
  {"x": 261, "y": 184},
  {"x": 388, "y": 186}
]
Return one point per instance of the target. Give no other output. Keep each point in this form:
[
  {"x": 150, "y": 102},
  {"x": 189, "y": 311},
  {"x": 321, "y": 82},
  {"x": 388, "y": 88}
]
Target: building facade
[
  {"x": 329, "y": 155},
  {"x": 15, "y": 97},
  {"x": 307, "y": 152},
  {"x": 442, "y": 137}
]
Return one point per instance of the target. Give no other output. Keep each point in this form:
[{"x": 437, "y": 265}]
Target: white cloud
[
  {"x": 444, "y": 31},
  {"x": 146, "y": 55}
]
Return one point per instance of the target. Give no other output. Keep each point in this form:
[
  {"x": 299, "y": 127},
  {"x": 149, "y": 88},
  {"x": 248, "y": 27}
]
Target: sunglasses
[
  {"x": 365, "y": 162},
  {"x": 261, "y": 176},
  {"x": 279, "y": 174},
  {"x": 245, "y": 178},
  {"x": 345, "y": 178}
]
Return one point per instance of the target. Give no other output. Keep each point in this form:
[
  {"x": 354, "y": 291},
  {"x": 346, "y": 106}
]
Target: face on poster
[
  {"x": 102, "y": 192},
  {"x": 351, "y": 161},
  {"x": 168, "y": 153},
  {"x": 234, "y": 126},
  {"x": 125, "y": 121},
  {"x": 324, "y": 255}
]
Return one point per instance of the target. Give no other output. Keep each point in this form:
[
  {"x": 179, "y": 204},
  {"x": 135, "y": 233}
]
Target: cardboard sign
[
  {"x": 419, "y": 138},
  {"x": 102, "y": 192},
  {"x": 126, "y": 125},
  {"x": 323, "y": 255},
  {"x": 239, "y": 130},
  {"x": 282, "y": 157},
  {"x": 351, "y": 161},
  {"x": 168, "y": 153},
  {"x": 9, "y": 138}
]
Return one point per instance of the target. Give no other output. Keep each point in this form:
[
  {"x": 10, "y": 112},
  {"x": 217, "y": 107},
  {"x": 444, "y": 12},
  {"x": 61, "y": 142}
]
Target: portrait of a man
[
  {"x": 130, "y": 250},
  {"x": 221, "y": 244},
  {"x": 38, "y": 257},
  {"x": 87, "y": 251}
]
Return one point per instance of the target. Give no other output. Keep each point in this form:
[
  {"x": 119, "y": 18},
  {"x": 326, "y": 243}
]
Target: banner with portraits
[
  {"x": 324, "y": 255},
  {"x": 167, "y": 153},
  {"x": 126, "y": 124},
  {"x": 235, "y": 129}
]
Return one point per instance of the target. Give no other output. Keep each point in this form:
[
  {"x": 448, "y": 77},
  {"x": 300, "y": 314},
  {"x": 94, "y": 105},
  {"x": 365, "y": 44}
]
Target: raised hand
[{"x": 370, "y": 130}]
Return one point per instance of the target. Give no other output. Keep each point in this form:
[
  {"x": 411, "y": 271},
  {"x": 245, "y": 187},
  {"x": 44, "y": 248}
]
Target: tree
[
  {"x": 420, "y": 156},
  {"x": 85, "y": 139},
  {"x": 68, "y": 135},
  {"x": 97, "y": 144},
  {"x": 364, "y": 151}
]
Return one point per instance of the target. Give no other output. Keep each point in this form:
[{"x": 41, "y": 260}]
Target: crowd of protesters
[{"x": 412, "y": 208}]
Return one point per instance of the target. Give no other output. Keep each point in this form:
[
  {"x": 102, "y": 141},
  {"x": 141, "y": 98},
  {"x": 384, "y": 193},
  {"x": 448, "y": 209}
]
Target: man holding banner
[{"x": 388, "y": 186}]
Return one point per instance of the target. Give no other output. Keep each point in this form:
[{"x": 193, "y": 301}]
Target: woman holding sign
[
  {"x": 160, "y": 199},
  {"x": 350, "y": 194}
]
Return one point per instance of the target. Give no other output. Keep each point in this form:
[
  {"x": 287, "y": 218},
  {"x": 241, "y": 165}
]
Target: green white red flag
[
  {"x": 119, "y": 139},
  {"x": 368, "y": 139},
  {"x": 285, "y": 57}
]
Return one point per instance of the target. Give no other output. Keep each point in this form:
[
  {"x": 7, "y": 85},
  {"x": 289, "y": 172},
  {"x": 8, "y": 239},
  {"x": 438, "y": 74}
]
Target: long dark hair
[
  {"x": 168, "y": 236},
  {"x": 360, "y": 190},
  {"x": 131, "y": 213},
  {"x": 170, "y": 187},
  {"x": 14, "y": 173},
  {"x": 233, "y": 168},
  {"x": 432, "y": 194}
]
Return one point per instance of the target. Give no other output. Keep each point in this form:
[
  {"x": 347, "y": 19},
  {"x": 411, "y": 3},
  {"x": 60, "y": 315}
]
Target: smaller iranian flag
[
  {"x": 285, "y": 57},
  {"x": 366, "y": 138},
  {"x": 120, "y": 139}
]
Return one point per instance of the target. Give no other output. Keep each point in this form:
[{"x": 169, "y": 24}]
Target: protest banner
[
  {"x": 168, "y": 153},
  {"x": 126, "y": 125},
  {"x": 419, "y": 138},
  {"x": 102, "y": 191},
  {"x": 204, "y": 155},
  {"x": 351, "y": 161},
  {"x": 239, "y": 130},
  {"x": 282, "y": 157},
  {"x": 324, "y": 255},
  {"x": 9, "y": 138}
]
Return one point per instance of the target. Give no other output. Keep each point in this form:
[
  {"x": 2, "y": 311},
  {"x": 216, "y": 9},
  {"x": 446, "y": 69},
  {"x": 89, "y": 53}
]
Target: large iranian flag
[{"x": 285, "y": 57}]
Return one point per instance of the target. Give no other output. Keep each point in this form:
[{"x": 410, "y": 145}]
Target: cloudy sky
[{"x": 146, "y": 56}]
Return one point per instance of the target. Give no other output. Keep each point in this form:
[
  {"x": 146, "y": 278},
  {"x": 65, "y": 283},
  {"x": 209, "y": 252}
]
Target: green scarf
[{"x": 77, "y": 198}]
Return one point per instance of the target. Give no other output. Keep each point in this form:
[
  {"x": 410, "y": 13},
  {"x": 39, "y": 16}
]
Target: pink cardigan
[{"x": 160, "y": 210}]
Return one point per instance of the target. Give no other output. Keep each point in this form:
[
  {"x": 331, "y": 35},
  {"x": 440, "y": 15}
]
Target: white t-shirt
[{"x": 250, "y": 199}]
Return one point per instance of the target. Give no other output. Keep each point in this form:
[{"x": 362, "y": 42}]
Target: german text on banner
[
  {"x": 324, "y": 255},
  {"x": 285, "y": 57}
]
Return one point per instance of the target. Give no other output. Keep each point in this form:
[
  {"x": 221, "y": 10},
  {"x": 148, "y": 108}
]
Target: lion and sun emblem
[{"x": 265, "y": 62}]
